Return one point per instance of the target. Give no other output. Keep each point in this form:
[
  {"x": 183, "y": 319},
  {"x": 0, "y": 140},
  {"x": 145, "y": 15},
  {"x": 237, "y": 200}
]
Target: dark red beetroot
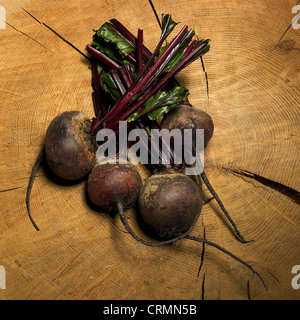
[
  {"x": 169, "y": 202},
  {"x": 185, "y": 117},
  {"x": 112, "y": 184},
  {"x": 69, "y": 148}
]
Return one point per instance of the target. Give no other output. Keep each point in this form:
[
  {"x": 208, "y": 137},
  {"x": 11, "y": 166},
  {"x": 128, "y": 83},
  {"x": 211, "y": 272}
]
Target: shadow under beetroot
[
  {"x": 145, "y": 228},
  {"x": 56, "y": 179}
]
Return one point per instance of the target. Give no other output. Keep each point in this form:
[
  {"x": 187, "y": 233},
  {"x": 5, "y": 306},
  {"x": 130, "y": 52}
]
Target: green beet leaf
[{"x": 109, "y": 34}]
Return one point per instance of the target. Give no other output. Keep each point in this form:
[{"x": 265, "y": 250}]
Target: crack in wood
[
  {"x": 274, "y": 277},
  {"x": 202, "y": 253},
  {"x": 11, "y": 189},
  {"x": 286, "y": 30},
  {"x": 32, "y": 16},
  {"x": 26, "y": 35},
  {"x": 26, "y": 178},
  {"x": 203, "y": 285},
  {"x": 289, "y": 192},
  {"x": 155, "y": 13},
  {"x": 65, "y": 269},
  {"x": 57, "y": 34},
  {"x": 248, "y": 290},
  {"x": 206, "y": 78},
  {"x": 66, "y": 41}
]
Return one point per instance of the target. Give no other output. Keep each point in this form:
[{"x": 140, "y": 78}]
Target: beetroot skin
[
  {"x": 169, "y": 203},
  {"x": 186, "y": 117},
  {"x": 70, "y": 151},
  {"x": 110, "y": 184}
]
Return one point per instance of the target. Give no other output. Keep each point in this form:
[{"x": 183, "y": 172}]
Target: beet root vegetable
[
  {"x": 148, "y": 82},
  {"x": 110, "y": 185},
  {"x": 169, "y": 203},
  {"x": 115, "y": 186},
  {"x": 69, "y": 147},
  {"x": 186, "y": 117},
  {"x": 69, "y": 150}
]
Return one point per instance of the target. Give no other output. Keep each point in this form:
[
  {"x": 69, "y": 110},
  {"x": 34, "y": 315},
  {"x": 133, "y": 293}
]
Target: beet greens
[{"x": 147, "y": 82}]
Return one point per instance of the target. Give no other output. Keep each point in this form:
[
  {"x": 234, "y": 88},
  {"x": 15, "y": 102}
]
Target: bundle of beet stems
[{"x": 133, "y": 85}]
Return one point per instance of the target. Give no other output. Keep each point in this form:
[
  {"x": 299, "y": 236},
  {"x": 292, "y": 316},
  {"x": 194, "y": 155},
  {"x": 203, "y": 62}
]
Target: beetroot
[
  {"x": 69, "y": 147},
  {"x": 185, "y": 117},
  {"x": 170, "y": 202},
  {"x": 112, "y": 184},
  {"x": 69, "y": 150}
]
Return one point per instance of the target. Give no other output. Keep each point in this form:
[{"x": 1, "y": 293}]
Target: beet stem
[
  {"x": 140, "y": 51},
  {"x": 155, "y": 149},
  {"x": 142, "y": 82},
  {"x": 129, "y": 73},
  {"x": 117, "y": 81},
  {"x": 146, "y": 80},
  {"x": 186, "y": 61},
  {"x": 96, "y": 104},
  {"x": 102, "y": 57},
  {"x": 96, "y": 84},
  {"x": 125, "y": 77},
  {"x": 35, "y": 168},
  {"x": 146, "y": 52},
  {"x": 129, "y": 36}
]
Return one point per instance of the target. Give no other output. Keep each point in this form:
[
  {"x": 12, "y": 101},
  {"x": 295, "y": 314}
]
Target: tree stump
[{"x": 249, "y": 83}]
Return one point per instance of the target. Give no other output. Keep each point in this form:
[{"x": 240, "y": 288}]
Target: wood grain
[{"x": 252, "y": 160}]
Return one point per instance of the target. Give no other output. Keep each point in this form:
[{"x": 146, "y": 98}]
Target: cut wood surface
[{"x": 253, "y": 96}]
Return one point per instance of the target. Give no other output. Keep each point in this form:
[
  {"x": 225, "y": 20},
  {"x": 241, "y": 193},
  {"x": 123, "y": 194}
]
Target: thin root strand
[
  {"x": 35, "y": 168},
  {"x": 213, "y": 192},
  {"x": 228, "y": 253},
  {"x": 183, "y": 236}
]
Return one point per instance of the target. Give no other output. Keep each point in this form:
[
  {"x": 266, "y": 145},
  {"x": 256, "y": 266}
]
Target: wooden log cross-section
[{"x": 249, "y": 83}]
